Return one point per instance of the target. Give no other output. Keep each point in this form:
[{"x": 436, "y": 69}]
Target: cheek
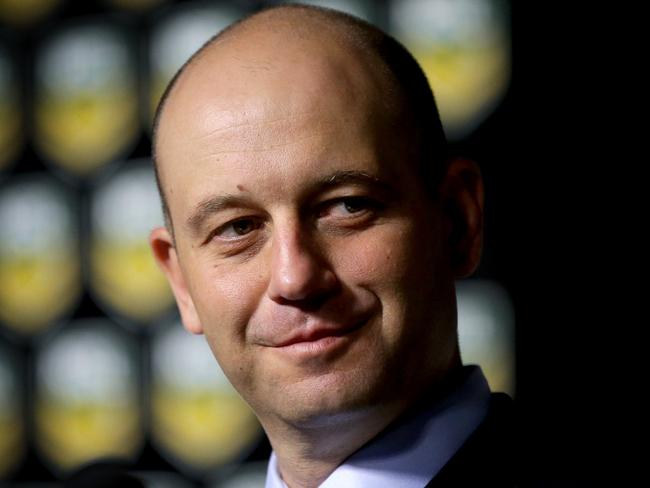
[
  {"x": 387, "y": 258},
  {"x": 405, "y": 269},
  {"x": 225, "y": 298}
]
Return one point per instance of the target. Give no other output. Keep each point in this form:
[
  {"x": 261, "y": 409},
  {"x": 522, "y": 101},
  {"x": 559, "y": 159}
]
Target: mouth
[
  {"x": 317, "y": 334},
  {"x": 318, "y": 341}
]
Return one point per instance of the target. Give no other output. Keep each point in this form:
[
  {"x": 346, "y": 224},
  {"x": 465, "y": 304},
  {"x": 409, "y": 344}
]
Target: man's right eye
[{"x": 237, "y": 228}]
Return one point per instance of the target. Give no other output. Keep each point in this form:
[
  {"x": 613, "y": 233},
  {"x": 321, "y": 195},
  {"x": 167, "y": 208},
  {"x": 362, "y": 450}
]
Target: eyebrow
[
  {"x": 214, "y": 204},
  {"x": 350, "y": 178}
]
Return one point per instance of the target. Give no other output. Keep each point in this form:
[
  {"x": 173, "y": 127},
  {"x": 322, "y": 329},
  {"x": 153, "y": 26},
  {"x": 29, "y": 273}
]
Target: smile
[{"x": 319, "y": 341}]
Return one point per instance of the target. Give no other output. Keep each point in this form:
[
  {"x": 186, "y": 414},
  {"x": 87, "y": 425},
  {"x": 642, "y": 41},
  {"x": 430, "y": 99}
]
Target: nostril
[
  {"x": 309, "y": 304},
  {"x": 308, "y": 293}
]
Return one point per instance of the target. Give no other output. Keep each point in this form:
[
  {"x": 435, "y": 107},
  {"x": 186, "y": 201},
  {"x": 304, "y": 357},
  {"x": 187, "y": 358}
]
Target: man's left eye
[
  {"x": 354, "y": 205},
  {"x": 348, "y": 206}
]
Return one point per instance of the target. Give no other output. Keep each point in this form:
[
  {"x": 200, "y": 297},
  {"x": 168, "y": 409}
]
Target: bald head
[{"x": 306, "y": 60}]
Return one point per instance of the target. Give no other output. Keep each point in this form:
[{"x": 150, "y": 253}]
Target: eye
[
  {"x": 237, "y": 228},
  {"x": 354, "y": 205},
  {"x": 348, "y": 207}
]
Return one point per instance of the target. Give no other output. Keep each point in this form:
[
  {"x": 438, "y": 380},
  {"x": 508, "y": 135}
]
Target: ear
[
  {"x": 165, "y": 254},
  {"x": 462, "y": 198}
]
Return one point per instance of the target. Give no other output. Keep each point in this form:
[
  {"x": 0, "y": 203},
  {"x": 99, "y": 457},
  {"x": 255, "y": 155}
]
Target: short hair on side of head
[{"x": 398, "y": 63}]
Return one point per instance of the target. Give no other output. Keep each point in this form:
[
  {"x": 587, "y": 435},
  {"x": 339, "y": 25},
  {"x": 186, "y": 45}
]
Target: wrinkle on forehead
[
  {"x": 232, "y": 121},
  {"x": 246, "y": 147},
  {"x": 291, "y": 87},
  {"x": 256, "y": 131}
]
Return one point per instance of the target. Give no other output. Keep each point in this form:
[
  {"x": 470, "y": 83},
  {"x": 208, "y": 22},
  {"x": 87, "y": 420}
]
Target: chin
[
  {"x": 321, "y": 416},
  {"x": 328, "y": 400}
]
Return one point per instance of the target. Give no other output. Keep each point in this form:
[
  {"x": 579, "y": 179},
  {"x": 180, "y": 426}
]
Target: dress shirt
[{"x": 411, "y": 452}]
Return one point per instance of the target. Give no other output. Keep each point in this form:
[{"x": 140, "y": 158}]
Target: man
[{"x": 314, "y": 230}]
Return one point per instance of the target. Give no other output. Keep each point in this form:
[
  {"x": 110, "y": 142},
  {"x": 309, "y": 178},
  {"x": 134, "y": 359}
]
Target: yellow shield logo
[
  {"x": 40, "y": 277},
  {"x": 464, "y": 49},
  {"x": 86, "y": 105},
  {"x": 87, "y": 401}
]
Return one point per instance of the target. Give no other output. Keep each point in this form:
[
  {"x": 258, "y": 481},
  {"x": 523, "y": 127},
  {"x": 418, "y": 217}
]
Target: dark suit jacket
[{"x": 489, "y": 457}]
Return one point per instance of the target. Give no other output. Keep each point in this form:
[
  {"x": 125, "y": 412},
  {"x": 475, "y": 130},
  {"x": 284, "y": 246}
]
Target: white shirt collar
[{"x": 411, "y": 454}]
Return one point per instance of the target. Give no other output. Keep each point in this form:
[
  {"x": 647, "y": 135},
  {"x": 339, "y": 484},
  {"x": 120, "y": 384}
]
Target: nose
[{"x": 299, "y": 273}]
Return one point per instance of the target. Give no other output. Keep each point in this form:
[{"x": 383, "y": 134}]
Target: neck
[{"x": 308, "y": 453}]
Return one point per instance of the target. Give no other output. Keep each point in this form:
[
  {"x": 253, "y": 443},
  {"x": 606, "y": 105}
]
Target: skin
[{"x": 296, "y": 208}]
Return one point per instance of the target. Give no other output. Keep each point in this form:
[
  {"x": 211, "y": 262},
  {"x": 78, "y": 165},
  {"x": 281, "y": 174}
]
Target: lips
[{"x": 316, "y": 333}]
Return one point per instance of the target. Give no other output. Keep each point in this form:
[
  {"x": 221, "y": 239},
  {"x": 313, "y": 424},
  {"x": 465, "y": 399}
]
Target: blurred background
[{"x": 94, "y": 363}]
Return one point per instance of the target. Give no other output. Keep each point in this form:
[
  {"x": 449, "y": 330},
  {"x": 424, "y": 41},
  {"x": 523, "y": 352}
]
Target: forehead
[
  {"x": 251, "y": 77},
  {"x": 240, "y": 116}
]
